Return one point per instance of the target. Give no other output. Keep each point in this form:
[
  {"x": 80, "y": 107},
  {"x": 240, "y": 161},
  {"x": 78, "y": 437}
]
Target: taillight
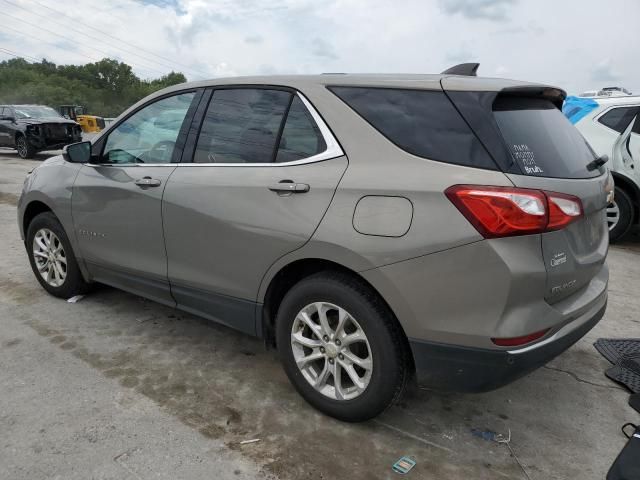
[{"x": 508, "y": 211}]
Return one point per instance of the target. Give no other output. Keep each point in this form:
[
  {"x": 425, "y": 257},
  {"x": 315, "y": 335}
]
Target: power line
[
  {"x": 185, "y": 67},
  {"x": 55, "y": 33},
  {"x": 31, "y": 36},
  {"x": 17, "y": 55},
  {"x": 73, "y": 40}
]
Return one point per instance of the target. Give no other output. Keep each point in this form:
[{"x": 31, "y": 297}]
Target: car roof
[
  {"x": 366, "y": 79},
  {"x": 304, "y": 83}
]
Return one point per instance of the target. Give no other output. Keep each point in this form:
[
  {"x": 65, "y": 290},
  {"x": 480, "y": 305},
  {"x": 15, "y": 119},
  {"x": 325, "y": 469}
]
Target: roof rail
[{"x": 467, "y": 69}]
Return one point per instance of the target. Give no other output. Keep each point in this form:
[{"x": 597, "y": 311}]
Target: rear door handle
[
  {"x": 147, "y": 182},
  {"x": 290, "y": 187}
]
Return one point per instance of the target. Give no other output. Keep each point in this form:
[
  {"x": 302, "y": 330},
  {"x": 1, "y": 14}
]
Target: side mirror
[
  {"x": 10, "y": 119},
  {"x": 77, "y": 152}
]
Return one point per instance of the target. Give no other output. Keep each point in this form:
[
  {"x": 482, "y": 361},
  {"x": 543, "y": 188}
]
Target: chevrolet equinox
[{"x": 373, "y": 228}]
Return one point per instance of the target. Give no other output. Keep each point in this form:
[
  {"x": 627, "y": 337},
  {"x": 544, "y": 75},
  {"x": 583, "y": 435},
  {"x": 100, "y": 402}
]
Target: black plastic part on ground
[
  {"x": 613, "y": 349},
  {"x": 624, "y": 353},
  {"x": 627, "y": 465},
  {"x": 634, "y": 402}
]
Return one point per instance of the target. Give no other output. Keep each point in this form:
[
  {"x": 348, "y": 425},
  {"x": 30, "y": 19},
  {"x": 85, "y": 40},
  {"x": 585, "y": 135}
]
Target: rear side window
[
  {"x": 619, "y": 119},
  {"x": 541, "y": 139},
  {"x": 241, "y": 126},
  {"x": 422, "y": 122},
  {"x": 301, "y": 137}
]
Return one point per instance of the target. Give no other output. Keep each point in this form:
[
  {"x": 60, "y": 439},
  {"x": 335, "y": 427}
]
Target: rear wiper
[{"x": 597, "y": 163}]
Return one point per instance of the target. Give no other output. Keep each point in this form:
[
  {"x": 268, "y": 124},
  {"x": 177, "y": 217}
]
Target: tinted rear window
[
  {"x": 541, "y": 139},
  {"x": 422, "y": 122}
]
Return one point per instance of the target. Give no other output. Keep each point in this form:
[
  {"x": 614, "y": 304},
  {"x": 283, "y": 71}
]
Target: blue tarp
[{"x": 576, "y": 108}]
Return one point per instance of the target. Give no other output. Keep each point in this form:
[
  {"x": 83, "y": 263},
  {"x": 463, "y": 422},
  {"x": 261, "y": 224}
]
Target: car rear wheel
[
  {"x": 619, "y": 215},
  {"x": 52, "y": 259},
  {"x": 24, "y": 149},
  {"x": 341, "y": 347}
]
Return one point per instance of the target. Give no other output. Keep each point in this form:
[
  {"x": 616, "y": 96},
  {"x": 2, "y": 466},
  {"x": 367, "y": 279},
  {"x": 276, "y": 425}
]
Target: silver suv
[{"x": 371, "y": 227}]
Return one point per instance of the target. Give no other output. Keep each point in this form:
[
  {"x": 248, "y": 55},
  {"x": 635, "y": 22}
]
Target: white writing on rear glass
[{"x": 526, "y": 157}]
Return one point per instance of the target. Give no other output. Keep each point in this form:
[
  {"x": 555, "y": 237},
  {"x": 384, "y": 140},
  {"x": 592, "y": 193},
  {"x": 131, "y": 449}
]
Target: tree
[{"x": 105, "y": 88}]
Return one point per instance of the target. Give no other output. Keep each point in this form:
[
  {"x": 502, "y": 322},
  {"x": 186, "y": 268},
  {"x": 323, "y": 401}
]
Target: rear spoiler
[{"x": 554, "y": 95}]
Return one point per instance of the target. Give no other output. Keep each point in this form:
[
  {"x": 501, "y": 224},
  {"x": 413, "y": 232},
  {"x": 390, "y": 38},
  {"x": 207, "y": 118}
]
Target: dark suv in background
[{"x": 33, "y": 128}]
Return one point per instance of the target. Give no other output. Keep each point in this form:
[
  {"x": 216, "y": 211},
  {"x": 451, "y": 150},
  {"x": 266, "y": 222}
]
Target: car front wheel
[
  {"x": 52, "y": 259},
  {"x": 341, "y": 347},
  {"x": 24, "y": 149}
]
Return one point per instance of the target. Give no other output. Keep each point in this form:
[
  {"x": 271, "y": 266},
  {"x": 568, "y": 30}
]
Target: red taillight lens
[
  {"x": 518, "y": 341},
  {"x": 508, "y": 211},
  {"x": 563, "y": 209}
]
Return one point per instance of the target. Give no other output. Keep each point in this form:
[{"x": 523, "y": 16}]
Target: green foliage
[{"x": 105, "y": 88}]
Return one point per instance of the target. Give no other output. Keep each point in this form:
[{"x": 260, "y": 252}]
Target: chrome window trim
[{"x": 333, "y": 150}]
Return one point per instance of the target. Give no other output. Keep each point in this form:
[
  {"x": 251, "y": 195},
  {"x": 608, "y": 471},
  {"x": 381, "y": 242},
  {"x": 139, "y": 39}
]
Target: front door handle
[
  {"x": 289, "y": 187},
  {"x": 147, "y": 182}
]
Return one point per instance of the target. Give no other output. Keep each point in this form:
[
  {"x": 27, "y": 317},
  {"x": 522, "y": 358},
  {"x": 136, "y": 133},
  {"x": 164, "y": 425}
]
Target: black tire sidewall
[
  {"x": 625, "y": 222},
  {"x": 388, "y": 374},
  {"x": 74, "y": 283}
]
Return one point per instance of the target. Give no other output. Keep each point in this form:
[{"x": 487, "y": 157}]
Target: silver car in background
[{"x": 370, "y": 227}]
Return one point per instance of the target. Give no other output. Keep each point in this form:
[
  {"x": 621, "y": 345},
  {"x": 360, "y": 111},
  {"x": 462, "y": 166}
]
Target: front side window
[
  {"x": 242, "y": 126},
  {"x": 150, "y": 134},
  {"x": 619, "y": 119}
]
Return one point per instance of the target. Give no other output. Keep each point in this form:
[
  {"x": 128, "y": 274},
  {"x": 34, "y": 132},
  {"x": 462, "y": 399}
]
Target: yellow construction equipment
[{"x": 88, "y": 123}]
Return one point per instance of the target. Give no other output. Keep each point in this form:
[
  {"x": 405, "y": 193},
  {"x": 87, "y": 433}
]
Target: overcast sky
[{"x": 575, "y": 44}]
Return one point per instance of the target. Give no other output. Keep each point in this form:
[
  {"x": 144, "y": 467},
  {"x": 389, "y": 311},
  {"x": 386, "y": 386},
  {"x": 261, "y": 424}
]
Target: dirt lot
[{"x": 119, "y": 387}]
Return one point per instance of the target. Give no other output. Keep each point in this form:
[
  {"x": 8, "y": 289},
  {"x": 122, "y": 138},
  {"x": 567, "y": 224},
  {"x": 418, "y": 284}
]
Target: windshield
[{"x": 35, "y": 111}]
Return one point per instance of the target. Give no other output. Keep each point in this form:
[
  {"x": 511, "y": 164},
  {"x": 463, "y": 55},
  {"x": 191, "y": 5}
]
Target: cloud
[
  {"x": 460, "y": 56},
  {"x": 322, "y": 48},
  {"x": 475, "y": 9},
  {"x": 253, "y": 39},
  {"x": 604, "y": 72},
  {"x": 210, "y": 38}
]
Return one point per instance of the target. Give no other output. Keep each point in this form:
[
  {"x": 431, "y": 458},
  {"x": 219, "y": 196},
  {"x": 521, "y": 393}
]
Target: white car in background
[{"x": 608, "y": 119}]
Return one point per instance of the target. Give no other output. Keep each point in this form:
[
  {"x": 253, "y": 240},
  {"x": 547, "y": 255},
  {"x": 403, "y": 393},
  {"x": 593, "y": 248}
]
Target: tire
[
  {"x": 73, "y": 283},
  {"x": 25, "y": 150},
  {"x": 385, "y": 347},
  {"x": 623, "y": 207}
]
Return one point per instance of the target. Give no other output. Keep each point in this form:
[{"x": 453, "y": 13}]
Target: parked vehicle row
[{"x": 368, "y": 227}]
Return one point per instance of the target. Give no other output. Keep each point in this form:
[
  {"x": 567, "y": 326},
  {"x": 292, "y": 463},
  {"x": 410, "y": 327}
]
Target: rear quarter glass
[
  {"x": 422, "y": 122},
  {"x": 541, "y": 139}
]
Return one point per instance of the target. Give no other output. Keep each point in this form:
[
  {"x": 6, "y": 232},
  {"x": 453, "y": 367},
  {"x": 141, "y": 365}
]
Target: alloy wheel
[
  {"x": 613, "y": 215},
  {"x": 50, "y": 257},
  {"x": 331, "y": 351},
  {"x": 21, "y": 146}
]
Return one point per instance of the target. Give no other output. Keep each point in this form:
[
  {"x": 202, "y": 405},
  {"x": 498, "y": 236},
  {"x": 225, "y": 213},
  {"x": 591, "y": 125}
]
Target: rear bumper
[{"x": 466, "y": 369}]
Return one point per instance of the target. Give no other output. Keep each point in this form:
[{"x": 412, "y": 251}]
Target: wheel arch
[
  {"x": 32, "y": 209},
  {"x": 294, "y": 272},
  {"x": 632, "y": 189}
]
